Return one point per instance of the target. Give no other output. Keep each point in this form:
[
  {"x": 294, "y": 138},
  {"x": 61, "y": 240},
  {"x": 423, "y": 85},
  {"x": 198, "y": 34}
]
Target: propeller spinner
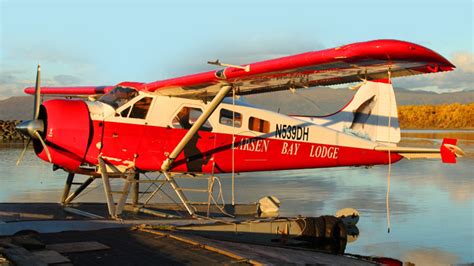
[{"x": 32, "y": 128}]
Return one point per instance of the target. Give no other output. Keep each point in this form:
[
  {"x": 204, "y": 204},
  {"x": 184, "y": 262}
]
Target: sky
[{"x": 106, "y": 42}]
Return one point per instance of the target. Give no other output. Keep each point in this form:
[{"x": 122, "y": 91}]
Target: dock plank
[
  {"x": 22, "y": 257},
  {"x": 74, "y": 247},
  {"x": 275, "y": 255},
  {"x": 51, "y": 256}
]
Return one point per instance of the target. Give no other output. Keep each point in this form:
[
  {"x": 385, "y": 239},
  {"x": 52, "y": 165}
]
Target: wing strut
[
  {"x": 195, "y": 127},
  {"x": 185, "y": 140}
]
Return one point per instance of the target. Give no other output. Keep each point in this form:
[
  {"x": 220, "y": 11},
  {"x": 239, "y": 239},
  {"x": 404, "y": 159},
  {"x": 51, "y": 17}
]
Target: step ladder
[
  {"x": 185, "y": 191},
  {"x": 115, "y": 209},
  {"x": 131, "y": 179}
]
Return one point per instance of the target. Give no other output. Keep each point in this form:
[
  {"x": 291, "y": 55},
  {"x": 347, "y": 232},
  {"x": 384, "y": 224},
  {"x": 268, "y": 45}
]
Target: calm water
[{"x": 431, "y": 203}]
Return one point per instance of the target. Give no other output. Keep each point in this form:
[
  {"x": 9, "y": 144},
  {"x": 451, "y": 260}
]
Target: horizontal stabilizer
[{"x": 448, "y": 152}]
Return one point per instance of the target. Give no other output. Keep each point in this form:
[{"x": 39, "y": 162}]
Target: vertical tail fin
[{"x": 371, "y": 114}]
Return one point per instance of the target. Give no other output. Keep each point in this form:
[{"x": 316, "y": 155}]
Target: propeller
[{"x": 32, "y": 128}]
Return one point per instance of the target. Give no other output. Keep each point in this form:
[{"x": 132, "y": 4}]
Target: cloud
[
  {"x": 461, "y": 78},
  {"x": 254, "y": 48},
  {"x": 464, "y": 61},
  {"x": 66, "y": 79},
  {"x": 12, "y": 83},
  {"x": 18, "y": 68},
  {"x": 44, "y": 53}
]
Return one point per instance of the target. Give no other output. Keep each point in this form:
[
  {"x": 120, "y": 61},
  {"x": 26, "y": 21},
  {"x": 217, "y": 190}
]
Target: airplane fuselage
[{"x": 248, "y": 139}]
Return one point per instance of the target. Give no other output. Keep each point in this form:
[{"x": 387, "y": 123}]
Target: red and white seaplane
[{"x": 187, "y": 125}]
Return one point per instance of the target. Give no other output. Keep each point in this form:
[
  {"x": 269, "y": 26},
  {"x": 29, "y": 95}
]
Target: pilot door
[{"x": 124, "y": 130}]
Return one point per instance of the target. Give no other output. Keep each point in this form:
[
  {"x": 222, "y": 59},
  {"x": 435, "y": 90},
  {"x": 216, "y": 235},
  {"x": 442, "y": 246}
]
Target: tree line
[{"x": 437, "y": 116}]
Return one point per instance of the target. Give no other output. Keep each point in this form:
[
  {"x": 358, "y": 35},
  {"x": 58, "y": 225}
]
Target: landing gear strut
[{"x": 67, "y": 196}]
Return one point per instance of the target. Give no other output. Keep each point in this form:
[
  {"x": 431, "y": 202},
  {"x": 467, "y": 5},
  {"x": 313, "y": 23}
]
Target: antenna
[{"x": 218, "y": 63}]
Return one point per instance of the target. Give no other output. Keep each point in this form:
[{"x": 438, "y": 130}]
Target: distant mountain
[
  {"x": 323, "y": 100},
  {"x": 16, "y": 108},
  {"x": 312, "y": 101}
]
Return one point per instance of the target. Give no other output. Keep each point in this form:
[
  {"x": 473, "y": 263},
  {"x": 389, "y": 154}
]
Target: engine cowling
[{"x": 67, "y": 130}]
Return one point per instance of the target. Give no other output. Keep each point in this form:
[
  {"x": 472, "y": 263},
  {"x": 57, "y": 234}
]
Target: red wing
[
  {"x": 79, "y": 91},
  {"x": 71, "y": 91},
  {"x": 349, "y": 63}
]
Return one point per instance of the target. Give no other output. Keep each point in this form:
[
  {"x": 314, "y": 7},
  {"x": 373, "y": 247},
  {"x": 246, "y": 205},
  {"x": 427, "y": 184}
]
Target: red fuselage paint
[{"x": 73, "y": 143}]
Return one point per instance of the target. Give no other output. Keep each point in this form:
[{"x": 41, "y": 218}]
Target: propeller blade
[
  {"x": 22, "y": 154},
  {"x": 37, "y": 134},
  {"x": 37, "y": 94}
]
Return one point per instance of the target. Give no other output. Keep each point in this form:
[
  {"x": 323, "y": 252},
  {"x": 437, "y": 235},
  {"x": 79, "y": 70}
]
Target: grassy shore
[{"x": 445, "y": 116}]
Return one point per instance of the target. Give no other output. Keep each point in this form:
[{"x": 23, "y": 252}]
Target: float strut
[
  {"x": 78, "y": 190},
  {"x": 107, "y": 188},
  {"x": 67, "y": 187},
  {"x": 135, "y": 189},
  {"x": 195, "y": 127},
  {"x": 180, "y": 193}
]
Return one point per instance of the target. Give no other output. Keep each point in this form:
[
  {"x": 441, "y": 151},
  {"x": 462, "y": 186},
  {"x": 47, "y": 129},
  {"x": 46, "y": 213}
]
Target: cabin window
[
  {"x": 186, "y": 118},
  {"x": 226, "y": 117},
  {"x": 140, "y": 108},
  {"x": 260, "y": 125}
]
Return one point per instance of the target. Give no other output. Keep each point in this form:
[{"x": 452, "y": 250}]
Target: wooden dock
[{"x": 46, "y": 234}]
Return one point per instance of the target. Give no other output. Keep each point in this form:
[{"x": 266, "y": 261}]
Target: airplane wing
[
  {"x": 349, "y": 63},
  {"x": 80, "y": 91},
  {"x": 345, "y": 64},
  {"x": 77, "y": 91}
]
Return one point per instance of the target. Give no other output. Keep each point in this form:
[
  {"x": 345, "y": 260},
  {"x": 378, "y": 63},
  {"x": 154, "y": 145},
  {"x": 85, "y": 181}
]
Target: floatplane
[{"x": 196, "y": 124}]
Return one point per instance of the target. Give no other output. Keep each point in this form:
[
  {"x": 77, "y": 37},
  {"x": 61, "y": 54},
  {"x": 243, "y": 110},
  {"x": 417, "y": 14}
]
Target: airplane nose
[{"x": 29, "y": 127}]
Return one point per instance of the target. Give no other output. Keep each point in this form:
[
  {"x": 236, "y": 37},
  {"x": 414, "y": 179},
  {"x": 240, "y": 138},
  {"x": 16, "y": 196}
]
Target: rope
[
  {"x": 233, "y": 150},
  {"x": 387, "y": 196},
  {"x": 149, "y": 186},
  {"x": 219, "y": 196},
  {"x": 87, "y": 192}
]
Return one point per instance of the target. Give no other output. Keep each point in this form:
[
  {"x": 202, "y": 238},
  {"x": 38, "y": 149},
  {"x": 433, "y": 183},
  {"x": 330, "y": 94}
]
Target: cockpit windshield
[{"x": 118, "y": 96}]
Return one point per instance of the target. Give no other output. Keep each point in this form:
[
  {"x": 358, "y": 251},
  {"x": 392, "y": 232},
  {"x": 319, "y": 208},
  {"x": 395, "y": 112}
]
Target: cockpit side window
[
  {"x": 118, "y": 96},
  {"x": 140, "y": 108}
]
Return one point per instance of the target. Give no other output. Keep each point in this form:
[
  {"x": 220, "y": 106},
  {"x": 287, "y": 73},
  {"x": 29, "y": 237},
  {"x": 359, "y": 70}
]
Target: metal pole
[
  {"x": 135, "y": 189},
  {"x": 153, "y": 193},
  {"x": 79, "y": 190},
  {"x": 233, "y": 147},
  {"x": 124, "y": 196},
  {"x": 107, "y": 189},
  {"x": 67, "y": 187},
  {"x": 195, "y": 127},
  {"x": 178, "y": 191}
]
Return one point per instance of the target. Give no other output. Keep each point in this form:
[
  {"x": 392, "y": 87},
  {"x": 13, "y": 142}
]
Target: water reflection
[
  {"x": 432, "y": 257},
  {"x": 439, "y": 134},
  {"x": 431, "y": 203}
]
